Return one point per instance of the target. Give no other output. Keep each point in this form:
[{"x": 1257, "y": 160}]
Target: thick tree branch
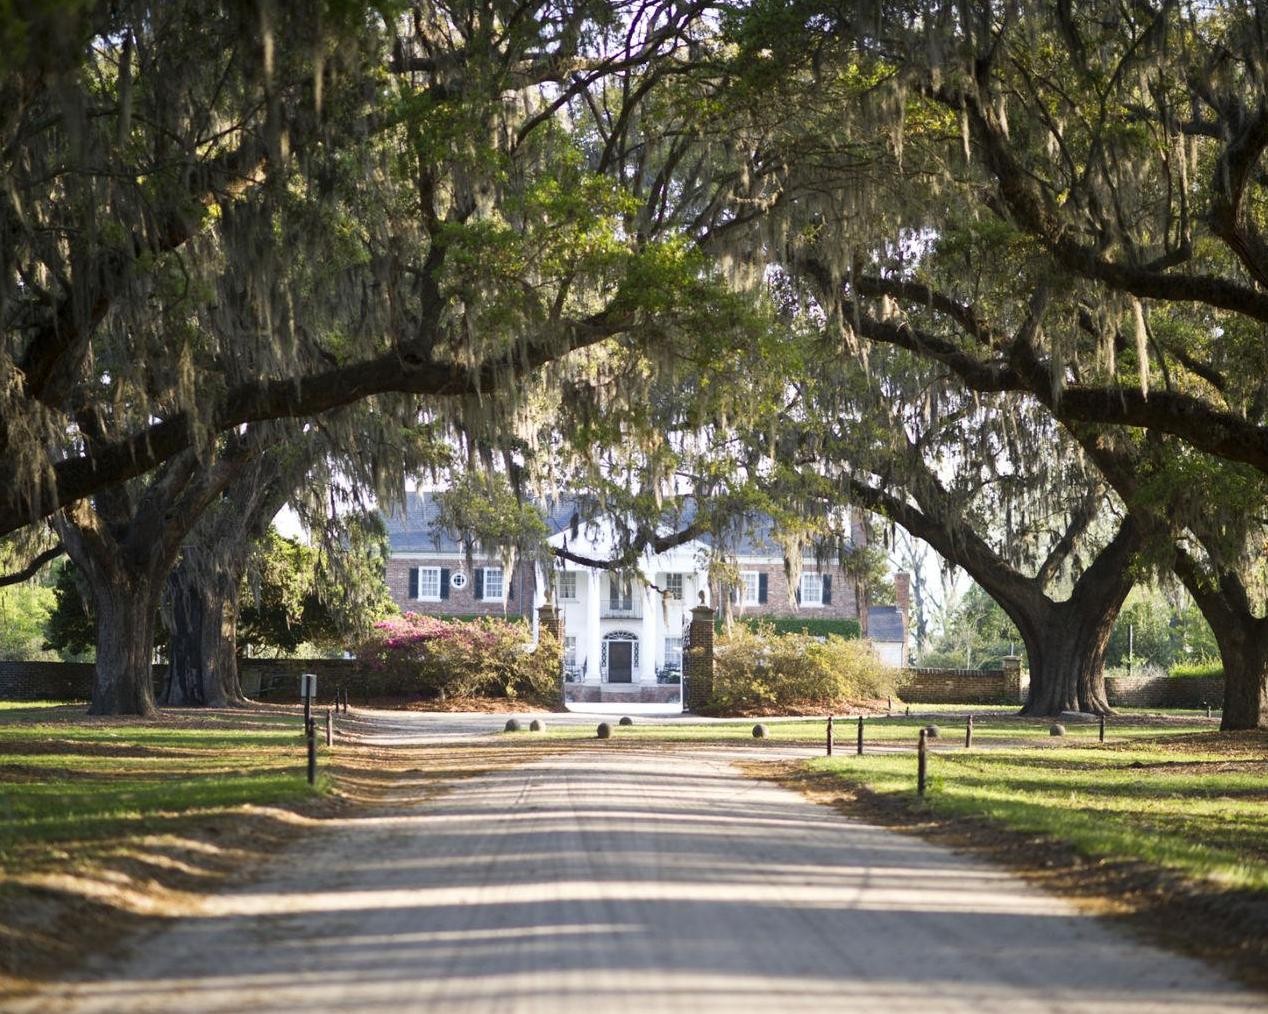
[{"x": 32, "y": 568}]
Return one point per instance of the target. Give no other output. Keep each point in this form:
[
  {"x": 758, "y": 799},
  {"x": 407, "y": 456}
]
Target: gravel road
[{"x": 637, "y": 881}]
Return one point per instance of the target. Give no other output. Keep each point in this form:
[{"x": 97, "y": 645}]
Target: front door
[{"x": 620, "y": 661}]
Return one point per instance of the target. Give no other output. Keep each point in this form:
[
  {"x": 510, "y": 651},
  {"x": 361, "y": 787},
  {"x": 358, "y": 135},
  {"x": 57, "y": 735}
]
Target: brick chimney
[{"x": 902, "y": 595}]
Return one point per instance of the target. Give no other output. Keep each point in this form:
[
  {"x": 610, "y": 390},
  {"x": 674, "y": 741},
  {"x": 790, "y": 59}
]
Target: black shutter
[
  {"x": 761, "y": 589},
  {"x": 827, "y": 589},
  {"x": 444, "y": 582},
  {"x": 479, "y": 580},
  {"x": 413, "y": 582}
]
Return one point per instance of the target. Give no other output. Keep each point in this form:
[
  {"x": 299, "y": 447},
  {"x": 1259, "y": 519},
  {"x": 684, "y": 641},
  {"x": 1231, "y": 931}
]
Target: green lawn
[
  {"x": 999, "y": 726},
  {"x": 65, "y": 777},
  {"x": 1193, "y": 803}
]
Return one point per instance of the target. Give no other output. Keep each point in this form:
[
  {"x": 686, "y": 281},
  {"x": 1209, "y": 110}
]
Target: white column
[
  {"x": 592, "y": 639},
  {"x": 649, "y": 647}
]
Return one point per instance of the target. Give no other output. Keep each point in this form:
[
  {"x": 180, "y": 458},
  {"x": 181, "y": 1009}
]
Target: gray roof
[
  {"x": 884, "y": 623},
  {"x": 414, "y": 528}
]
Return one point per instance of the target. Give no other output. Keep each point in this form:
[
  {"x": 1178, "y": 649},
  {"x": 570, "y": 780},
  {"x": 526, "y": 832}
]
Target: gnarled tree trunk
[
  {"x": 202, "y": 611},
  {"x": 1242, "y": 638},
  {"x": 1066, "y": 641},
  {"x": 1065, "y": 645}
]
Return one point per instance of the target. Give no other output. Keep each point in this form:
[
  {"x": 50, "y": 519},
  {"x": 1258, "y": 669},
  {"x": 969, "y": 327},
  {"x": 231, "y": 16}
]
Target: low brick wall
[
  {"x": 1164, "y": 691},
  {"x": 45, "y": 681},
  {"x": 955, "y": 686},
  {"x": 267, "y": 678}
]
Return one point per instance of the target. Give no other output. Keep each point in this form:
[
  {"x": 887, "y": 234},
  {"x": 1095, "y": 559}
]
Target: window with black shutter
[
  {"x": 479, "y": 583},
  {"x": 413, "y": 582},
  {"x": 761, "y": 588},
  {"x": 827, "y": 589}
]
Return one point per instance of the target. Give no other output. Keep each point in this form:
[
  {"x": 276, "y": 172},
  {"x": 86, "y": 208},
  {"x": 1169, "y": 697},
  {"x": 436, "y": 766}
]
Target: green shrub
[
  {"x": 756, "y": 667},
  {"x": 1210, "y": 667},
  {"x": 485, "y": 657},
  {"x": 815, "y": 626}
]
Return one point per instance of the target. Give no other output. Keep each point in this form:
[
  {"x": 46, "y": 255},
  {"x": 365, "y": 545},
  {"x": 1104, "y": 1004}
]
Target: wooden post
[
  {"x": 330, "y": 728},
  {"x": 889, "y": 705},
  {"x": 1102, "y": 728},
  {"x": 829, "y": 735},
  {"x": 860, "y": 735},
  {"x": 921, "y": 755},
  {"x": 312, "y": 753},
  {"x": 1208, "y": 708},
  {"x": 908, "y": 710},
  {"x": 968, "y": 733}
]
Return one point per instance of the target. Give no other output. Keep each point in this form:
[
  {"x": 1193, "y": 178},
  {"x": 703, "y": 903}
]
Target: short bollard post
[
  {"x": 968, "y": 733},
  {"x": 312, "y": 753},
  {"x": 921, "y": 755},
  {"x": 330, "y": 728},
  {"x": 860, "y": 735},
  {"x": 829, "y": 743},
  {"x": 908, "y": 710},
  {"x": 1102, "y": 734},
  {"x": 1208, "y": 708},
  {"x": 889, "y": 705}
]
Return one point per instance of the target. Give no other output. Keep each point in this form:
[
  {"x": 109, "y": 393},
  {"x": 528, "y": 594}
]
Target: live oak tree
[{"x": 381, "y": 187}]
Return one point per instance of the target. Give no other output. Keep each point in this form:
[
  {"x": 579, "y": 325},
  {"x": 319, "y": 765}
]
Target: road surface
[{"x": 637, "y": 881}]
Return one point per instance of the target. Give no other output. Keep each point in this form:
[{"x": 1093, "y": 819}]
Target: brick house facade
[{"x": 617, "y": 631}]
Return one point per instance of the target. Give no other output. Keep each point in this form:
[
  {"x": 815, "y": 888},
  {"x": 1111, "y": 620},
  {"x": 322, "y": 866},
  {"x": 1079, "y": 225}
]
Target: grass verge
[
  {"x": 109, "y": 826},
  {"x": 1166, "y": 833}
]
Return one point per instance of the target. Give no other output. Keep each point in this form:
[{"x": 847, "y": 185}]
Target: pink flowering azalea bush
[{"x": 484, "y": 657}]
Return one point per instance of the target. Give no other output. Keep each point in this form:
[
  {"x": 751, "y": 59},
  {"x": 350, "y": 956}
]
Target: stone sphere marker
[
  {"x": 626, "y": 720},
  {"x": 759, "y": 731},
  {"x": 1057, "y": 730},
  {"x": 604, "y": 731},
  {"x": 536, "y": 725},
  {"x": 931, "y": 731},
  {"x": 512, "y": 725}
]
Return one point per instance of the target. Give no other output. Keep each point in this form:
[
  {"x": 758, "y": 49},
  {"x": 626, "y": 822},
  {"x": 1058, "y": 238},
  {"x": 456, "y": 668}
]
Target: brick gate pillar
[
  {"x": 697, "y": 663},
  {"x": 550, "y": 620},
  {"x": 1012, "y": 678}
]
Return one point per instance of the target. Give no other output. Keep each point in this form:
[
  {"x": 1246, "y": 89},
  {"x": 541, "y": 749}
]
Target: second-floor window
[
  {"x": 429, "y": 584},
  {"x": 812, "y": 589},
  {"x": 492, "y": 584},
  {"x": 620, "y": 594},
  {"x": 673, "y": 586},
  {"x": 568, "y": 586}
]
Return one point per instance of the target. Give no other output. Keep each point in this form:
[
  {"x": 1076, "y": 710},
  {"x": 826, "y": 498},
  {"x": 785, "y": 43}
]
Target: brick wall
[
  {"x": 1162, "y": 692},
  {"x": 461, "y": 601},
  {"x": 956, "y": 686},
  {"x": 268, "y": 679}
]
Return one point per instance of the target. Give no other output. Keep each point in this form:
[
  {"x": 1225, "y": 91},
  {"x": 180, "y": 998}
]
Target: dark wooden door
[{"x": 620, "y": 661}]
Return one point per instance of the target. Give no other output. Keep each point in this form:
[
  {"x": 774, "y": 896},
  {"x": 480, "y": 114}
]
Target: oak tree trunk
[
  {"x": 1244, "y": 652},
  {"x": 125, "y": 609},
  {"x": 1066, "y": 648},
  {"x": 202, "y": 611}
]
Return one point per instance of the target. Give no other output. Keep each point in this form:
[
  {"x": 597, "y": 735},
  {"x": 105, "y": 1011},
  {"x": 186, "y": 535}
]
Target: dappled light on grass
[{"x": 1196, "y": 804}]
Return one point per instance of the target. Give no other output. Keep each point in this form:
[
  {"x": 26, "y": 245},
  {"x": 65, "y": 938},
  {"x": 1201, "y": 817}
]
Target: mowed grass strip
[
  {"x": 997, "y": 726},
  {"x": 65, "y": 777},
  {"x": 1196, "y": 804}
]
